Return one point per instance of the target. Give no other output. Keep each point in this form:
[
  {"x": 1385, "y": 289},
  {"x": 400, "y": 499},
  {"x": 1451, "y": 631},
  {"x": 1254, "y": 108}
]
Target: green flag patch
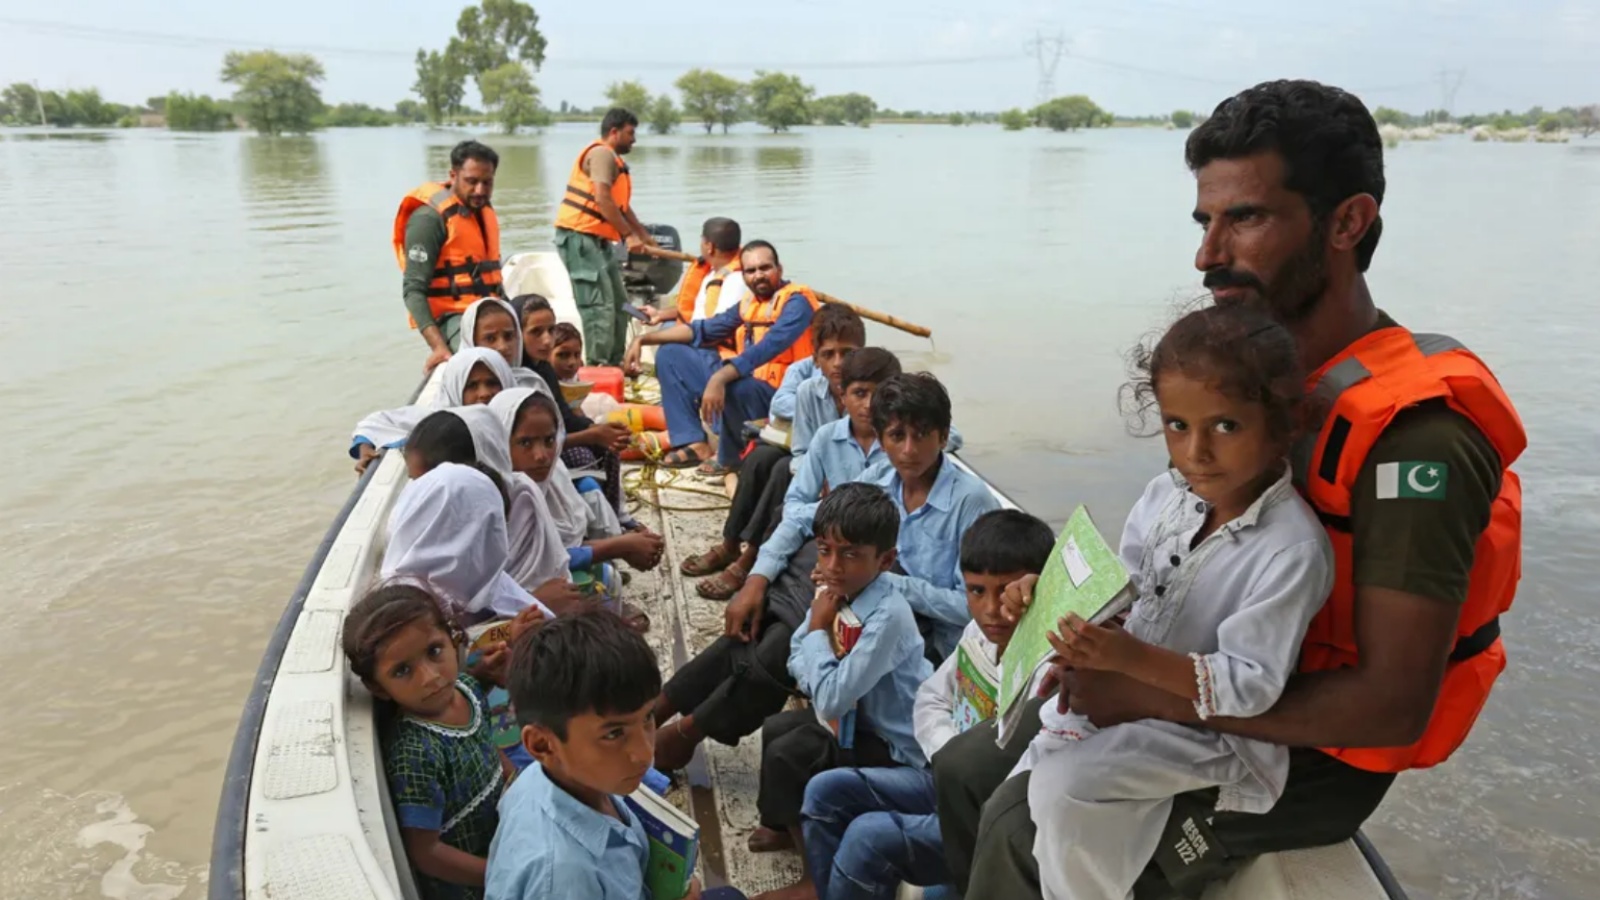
[{"x": 1412, "y": 480}]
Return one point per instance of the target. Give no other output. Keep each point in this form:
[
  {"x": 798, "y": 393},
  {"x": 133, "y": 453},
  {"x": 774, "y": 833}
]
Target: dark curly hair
[
  {"x": 1328, "y": 140},
  {"x": 380, "y": 615},
  {"x": 1240, "y": 350}
]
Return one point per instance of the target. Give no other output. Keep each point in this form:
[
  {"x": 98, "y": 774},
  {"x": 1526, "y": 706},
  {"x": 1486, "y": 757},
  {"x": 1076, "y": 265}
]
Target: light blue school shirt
[
  {"x": 835, "y": 458},
  {"x": 929, "y": 545},
  {"x": 878, "y": 678},
  {"x": 550, "y": 845},
  {"x": 783, "y": 401},
  {"x": 813, "y": 408}
]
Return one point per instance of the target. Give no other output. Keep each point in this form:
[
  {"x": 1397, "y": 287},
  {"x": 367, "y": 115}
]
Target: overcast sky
[{"x": 1132, "y": 56}]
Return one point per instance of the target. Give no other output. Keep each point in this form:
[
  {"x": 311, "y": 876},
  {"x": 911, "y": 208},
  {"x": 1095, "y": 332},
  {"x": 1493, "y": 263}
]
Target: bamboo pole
[{"x": 863, "y": 312}]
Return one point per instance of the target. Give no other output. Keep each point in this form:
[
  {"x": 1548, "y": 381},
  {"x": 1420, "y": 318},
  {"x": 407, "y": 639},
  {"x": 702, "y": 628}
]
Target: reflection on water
[{"x": 165, "y": 498}]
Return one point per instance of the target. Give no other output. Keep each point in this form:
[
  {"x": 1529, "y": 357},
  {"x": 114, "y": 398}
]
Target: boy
[
  {"x": 582, "y": 687},
  {"x": 875, "y": 682},
  {"x": 730, "y": 688},
  {"x": 868, "y": 830},
  {"x": 937, "y": 500},
  {"x": 765, "y": 471}
]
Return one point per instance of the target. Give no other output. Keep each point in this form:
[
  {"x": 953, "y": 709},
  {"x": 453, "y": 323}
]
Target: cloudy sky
[{"x": 1132, "y": 56}]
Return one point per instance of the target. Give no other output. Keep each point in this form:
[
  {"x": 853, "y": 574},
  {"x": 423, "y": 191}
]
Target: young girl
[
  {"x": 648, "y": 423},
  {"x": 472, "y": 376},
  {"x": 1230, "y": 566},
  {"x": 445, "y": 772},
  {"x": 531, "y": 418}
]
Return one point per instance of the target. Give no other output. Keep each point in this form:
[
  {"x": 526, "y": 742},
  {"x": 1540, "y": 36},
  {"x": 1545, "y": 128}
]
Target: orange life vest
[
  {"x": 467, "y": 268},
  {"x": 1368, "y": 384},
  {"x": 579, "y": 211},
  {"x": 689, "y": 291},
  {"x": 759, "y": 316}
]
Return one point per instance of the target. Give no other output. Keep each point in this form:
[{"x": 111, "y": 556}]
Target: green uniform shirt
[
  {"x": 1422, "y": 542},
  {"x": 425, "y": 236}
]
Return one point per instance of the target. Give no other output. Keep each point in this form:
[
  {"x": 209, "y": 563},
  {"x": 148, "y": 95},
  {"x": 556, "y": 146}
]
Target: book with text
[
  {"x": 674, "y": 844},
  {"x": 1082, "y": 576},
  {"x": 977, "y": 683},
  {"x": 846, "y": 632}
]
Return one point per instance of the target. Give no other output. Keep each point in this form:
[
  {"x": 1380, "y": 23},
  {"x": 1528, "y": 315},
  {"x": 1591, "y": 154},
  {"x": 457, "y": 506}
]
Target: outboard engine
[{"x": 649, "y": 277}]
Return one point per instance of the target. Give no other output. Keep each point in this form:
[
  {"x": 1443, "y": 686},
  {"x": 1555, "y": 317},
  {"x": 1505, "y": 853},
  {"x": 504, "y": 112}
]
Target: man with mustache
[
  {"x": 702, "y": 376},
  {"x": 1409, "y": 472}
]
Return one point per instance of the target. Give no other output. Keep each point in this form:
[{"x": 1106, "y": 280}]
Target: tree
[
  {"x": 1014, "y": 120},
  {"x": 1550, "y": 124},
  {"x": 510, "y": 97},
  {"x": 780, "y": 101},
  {"x": 1182, "y": 118},
  {"x": 845, "y": 109},
  {"x": 410, "y": 111},
  {"x": 958, "y": 118},
  {"x": 631, "y": 96},
  {"x": 664, "y": 115},
  {"x": 1383, "y": 115},
  {"x": 441, "y": 83},
  {"x": 275, "y": 92},
  {"x": 495, "y": 33},
  {"x": 711, "y": 98},
  {"x": 1588, "y": 119},
  {"x": 355, "y": 115},
  {"x": 187, "y": 112},
  {"x": 1071, "y": 113}
]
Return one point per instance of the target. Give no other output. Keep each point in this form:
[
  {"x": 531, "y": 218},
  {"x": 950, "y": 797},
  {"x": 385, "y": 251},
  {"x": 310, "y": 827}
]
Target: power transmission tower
[
  {"x": 1048, "y": 51},
  {"x": 1449, "y": 85}
]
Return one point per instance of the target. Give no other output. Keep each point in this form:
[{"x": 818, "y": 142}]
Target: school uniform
[{"x": 877, "y": 680}]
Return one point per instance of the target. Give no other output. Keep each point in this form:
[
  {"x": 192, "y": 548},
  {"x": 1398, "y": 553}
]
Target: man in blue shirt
[{"x": 769, "y": 330}]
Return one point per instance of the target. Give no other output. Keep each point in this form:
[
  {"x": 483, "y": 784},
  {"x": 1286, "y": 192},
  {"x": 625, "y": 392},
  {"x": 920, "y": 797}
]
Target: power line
[{"x": 1048, "y": 51}]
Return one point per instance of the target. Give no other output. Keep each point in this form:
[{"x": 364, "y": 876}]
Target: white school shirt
[
  {"x": 1239, "y": 603},
  {"x": 733, "y": 291},
  {"x": 933, "y": 712}
]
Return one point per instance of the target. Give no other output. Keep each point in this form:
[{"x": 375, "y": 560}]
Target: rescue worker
[
  {"x": 596, "y": 211},
  {"x": 769, "y": 330},
  {"x": 447, "y": 242},
  {"x": 714, "y": 283},
  {"x": 1410, "y": 472}
]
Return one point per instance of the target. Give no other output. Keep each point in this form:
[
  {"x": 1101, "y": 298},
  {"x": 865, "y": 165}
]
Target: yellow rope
[{"x": 644, "y": 484}]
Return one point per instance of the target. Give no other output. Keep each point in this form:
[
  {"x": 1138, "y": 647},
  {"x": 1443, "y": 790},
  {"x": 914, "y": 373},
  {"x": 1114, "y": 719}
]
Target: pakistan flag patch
[{"x": 1412, "y": 480}]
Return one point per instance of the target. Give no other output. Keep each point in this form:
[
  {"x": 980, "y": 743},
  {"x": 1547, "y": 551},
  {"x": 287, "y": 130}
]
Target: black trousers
[
  {"x": 795, "y": 747},
  {"x": 966, "y": 772},
  {"x": 732, "y": 687},
  {"x": 1324, "y": 802},
  {"x": 755, "y": 510}
]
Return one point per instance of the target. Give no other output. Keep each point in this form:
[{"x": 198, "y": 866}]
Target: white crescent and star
[{"x": 1411, "y": 479}]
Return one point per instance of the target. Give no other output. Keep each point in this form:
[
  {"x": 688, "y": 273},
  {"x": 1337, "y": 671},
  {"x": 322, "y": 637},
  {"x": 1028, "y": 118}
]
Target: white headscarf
[
  {"x": 520, "y": 374},
  {"x": 567, "y": 507},
  {"x": 449, "y": 528},
  {"x": 535, "y": 553},
  {"x": 390, "y": 427}
]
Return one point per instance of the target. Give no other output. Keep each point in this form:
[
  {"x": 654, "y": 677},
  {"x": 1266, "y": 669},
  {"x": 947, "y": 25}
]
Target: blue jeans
[
  {"x": 868, "y": 830},
  {"x": 683, "y": 372}
]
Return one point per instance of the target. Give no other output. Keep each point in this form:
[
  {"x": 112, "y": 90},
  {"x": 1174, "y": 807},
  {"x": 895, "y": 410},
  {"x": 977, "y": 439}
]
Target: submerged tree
[
  {"x": 711, "y": 98},
  {"x": 780, "y": 101},
  {"x": 494, "y": 33},
  {"x": 664, "y": 115},
  {"x": 511, "y": 98},
  {"x": 275, "y": 92},
  {"x": 845, "y": 109},
  {"x": 1071, "y": 113},
  {"x": 1014, "y": 120},
  {"x": 630, "y": 95},
  {"x": 441, "y": 83}
]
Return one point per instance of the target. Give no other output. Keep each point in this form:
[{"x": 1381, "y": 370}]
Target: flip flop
[
  {"x": 711, "y": 470},
  {"x": 681, "y": 458},
  {"x": 724, "y": 585},
  {"x": 712, "y": 561},
  {"x": 636, "y": 618}
]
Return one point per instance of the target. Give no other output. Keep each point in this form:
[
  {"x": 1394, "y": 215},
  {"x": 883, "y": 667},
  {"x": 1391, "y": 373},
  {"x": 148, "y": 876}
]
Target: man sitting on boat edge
[{"x": 702, "y": 380}]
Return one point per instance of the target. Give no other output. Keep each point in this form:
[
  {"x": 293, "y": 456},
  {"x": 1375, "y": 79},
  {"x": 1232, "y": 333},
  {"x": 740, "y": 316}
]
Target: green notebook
[
  {"x": 674, "y": 844},
  {"x": 1083, "y": 576}
]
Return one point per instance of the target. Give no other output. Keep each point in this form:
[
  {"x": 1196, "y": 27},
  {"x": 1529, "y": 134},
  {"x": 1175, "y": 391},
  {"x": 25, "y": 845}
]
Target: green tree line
[{"x": 1582, "y": 119}]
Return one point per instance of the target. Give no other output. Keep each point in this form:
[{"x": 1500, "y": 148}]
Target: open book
[
  {"x": 1082, "y": 576},
  {"x": 977, "y": 683},
  {"x": 674, "y": 844}
]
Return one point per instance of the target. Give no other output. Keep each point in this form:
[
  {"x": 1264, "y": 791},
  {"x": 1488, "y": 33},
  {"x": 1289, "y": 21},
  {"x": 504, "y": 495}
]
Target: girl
[
  {"x": 648, "y": 423},
  {"x": 445, "y": 773},
  {"x": 492, "y": 323},
  {"x": 590, "y": 446},
  {"x": 531, "y": 418},
  {"x": 1230, "y": 565},
  {"x": 449, "y": 528},
  {"x": 472, "y": 376}
]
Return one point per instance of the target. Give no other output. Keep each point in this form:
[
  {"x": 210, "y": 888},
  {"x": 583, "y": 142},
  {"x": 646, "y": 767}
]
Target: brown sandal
[
  {"x": 714, "y": 560},
  {"x": 724, "y": 585},
  {"x": 637, "y": 619}
]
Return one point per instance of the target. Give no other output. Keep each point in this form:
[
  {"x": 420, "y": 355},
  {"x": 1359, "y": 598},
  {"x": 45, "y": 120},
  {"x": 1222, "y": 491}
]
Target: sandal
[
  {"x": 724, "y": 585},
  {"x": 714, "y": 560},
  {"x": 681, "y": 458},
  {"x": 636, "y": 618},
  {"x": 711, "y": 470}
]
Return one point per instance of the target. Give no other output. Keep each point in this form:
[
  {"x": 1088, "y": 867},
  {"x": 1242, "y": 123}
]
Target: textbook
[
  {"x": 1083, "y": 575},
  {"x": 977, "y": 683},
  {"x": 674, "y": 844},
  {"x": 846, "y": 632},
  {"x": 773, "y": 431}
]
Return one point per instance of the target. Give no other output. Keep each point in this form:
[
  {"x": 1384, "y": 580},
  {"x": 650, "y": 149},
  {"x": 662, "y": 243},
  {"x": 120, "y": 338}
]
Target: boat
[{"x": 305, "y": 811}]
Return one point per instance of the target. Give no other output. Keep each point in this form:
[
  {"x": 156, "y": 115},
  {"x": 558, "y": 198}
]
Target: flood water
[{"x": 191, "y": 324}]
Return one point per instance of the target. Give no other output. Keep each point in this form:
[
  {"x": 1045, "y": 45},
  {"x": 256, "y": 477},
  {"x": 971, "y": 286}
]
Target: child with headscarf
[{"x": 472, "y": 376}]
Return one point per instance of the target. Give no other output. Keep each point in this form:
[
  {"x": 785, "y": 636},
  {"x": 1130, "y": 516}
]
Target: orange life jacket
[
  {"x": 467, "y": 268},
  {"x": 759, "y": 316},
  {"x": 689, "y": 291},
  {"x": 579, "y": 211},
  {"x": 1368, "y": 384}
]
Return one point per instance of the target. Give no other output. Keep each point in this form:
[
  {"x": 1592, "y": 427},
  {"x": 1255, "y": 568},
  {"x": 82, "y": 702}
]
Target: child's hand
[
  {"x": 1085, "y": 646},
  {"x": 825, "y": 608},
  {"x": 493, "y": 662},
  {"x": 1016, "y": 597},
  {"x": 694, "y": 889},
  {"x": 527, "y": 620}
]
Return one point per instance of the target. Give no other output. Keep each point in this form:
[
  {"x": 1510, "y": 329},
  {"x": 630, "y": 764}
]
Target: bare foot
[
  {"x": 766, "y": 840},
  {"x": 675, "y": 743},
  {"x": 802, "y": 890}
]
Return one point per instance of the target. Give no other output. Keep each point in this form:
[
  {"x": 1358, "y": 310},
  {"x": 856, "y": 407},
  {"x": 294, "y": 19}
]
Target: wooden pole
[{"x": 863, "y": 312}]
